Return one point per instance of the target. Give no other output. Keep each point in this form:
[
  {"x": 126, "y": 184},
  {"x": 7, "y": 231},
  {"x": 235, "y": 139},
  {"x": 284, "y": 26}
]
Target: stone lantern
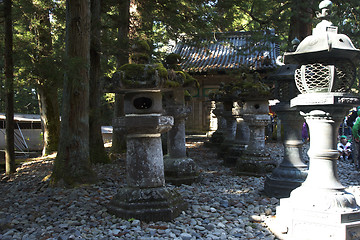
[
  {"x": 292, "y": 171},
  {"x": 218, "y": 136},
  {"x": 321, "y": 208},
  {"x": 255, "y": 160},
  {"x": 179, "y": 168},
  {"x": 228, "y": 148},
  {"x": 253, "y": 98},
  {"x": 145, "y": 197},
  {"x": 242, "y": 129}
]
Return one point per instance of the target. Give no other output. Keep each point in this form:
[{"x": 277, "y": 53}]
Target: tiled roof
[{"x": 228, "y": 52}]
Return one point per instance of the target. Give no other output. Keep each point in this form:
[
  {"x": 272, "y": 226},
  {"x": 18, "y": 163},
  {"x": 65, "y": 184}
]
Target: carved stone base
[
  {"x": 230, "y": 152},
  {"x": 216, "y": 139},
  {"x": 254, "y": 163},
  {"x": 283, "y": 180},
  {"x": 149, "y": 204},
  {"x": 180, "y": 170},
  {"x": 333, "y": 215}
]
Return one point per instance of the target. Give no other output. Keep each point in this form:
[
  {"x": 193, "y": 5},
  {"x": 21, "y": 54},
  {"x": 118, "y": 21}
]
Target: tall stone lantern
[
  {"x": 229, "y": 149},
  {"x": 145, "y": 197},
  {"x": 253, "y": 98},
  {"x": 218, "y": 136},
  {"x": 292, "y": 171},
  {"x": 179, "y": 168},
  {"x": 321, "y": 208}
]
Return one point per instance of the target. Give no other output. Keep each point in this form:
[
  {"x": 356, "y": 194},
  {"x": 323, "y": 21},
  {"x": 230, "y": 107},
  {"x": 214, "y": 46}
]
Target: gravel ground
[{"x": 221, "y": 205}]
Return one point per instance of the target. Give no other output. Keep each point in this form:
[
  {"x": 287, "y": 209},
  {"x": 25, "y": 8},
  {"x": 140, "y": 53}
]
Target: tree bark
[
  {"x": 122, "y": 56},
  {"x": 72, "y": 164},
  {"x": 46, "y": 85},
  {"x": 49, "y": 113},
  {"x": 9, "y": 90},
  {"x": 301, "y": 20},
  {"x": 97, "y": 150}
]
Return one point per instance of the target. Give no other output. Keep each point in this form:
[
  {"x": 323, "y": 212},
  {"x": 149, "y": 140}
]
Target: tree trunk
[
  {"x": 301, "y": 20},
  {"x": 122, "y": 56},
  {"x": 97, "y": 150},
  {"x": 72, "y": 164},
  {"x": 49, "y": 113},
  {"x": 46, "y": 86},
  {"x": 9, "y": 90}
]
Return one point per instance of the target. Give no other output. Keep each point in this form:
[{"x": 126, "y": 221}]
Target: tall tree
[
  {"x": 39, "y": 63},
  {"x": 47, "y": 85},
  {"x": 347, "y": 18},
  {"x": 9, "y": 88},
  {"x": 72, "y": 164},
  {"x": 120, "y": 24},
  {"x": 97, "y": 150},
  {"x": 301, "y": 19}
]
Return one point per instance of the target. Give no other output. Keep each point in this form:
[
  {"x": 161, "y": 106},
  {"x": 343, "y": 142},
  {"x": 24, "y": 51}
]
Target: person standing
[{"x": 356, "y": 140}]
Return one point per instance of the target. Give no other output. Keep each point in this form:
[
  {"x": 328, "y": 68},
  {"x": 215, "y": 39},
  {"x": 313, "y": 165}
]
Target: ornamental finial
[{"x": 325, "y": 9}]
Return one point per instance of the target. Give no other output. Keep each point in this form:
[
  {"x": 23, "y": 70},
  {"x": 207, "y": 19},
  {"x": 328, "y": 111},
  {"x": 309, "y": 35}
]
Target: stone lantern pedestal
[
  {"x": 321, "y": 208},
  {"x": 230, "y": 149},
  {"x": 292, "y": 171},
  {"x": 242, "y": 132},
  {"x": 242, "y": 129},
  {"x": 255, "y": 160},
  {"x": 179, "y": 169},
  {"x": 145, "y": 197},
  {"x": 218, "y": 136}
]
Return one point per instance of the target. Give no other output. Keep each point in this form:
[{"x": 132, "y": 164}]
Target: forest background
[{"x": 169, "y": 20}]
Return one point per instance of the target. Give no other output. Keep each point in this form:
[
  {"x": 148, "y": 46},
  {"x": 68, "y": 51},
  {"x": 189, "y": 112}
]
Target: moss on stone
[
  {"x": 191, "y": 81},
  {"x": 171, "y": 84},
  {"x": 144, "y": 75},
  {"x": 141, "y": 46},
  {"x": 181, "y": 74},
  {"x": 140, "y": 58},
  {"x": 162, "y": 71},
  {"x": 172, "y": 59},
  {"x": 249, "y": 86},
  {"x": 133, "y": 71}
]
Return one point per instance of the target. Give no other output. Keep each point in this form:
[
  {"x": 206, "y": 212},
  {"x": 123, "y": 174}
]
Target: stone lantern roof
[{"x": 324, "y": 43}]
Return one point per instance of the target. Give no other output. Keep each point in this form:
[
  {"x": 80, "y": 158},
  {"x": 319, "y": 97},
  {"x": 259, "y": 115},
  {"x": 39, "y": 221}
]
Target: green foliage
[
  {"x": 31, "y": 66},
  {"x": 25, "y": 99},
  {"x": 184, "y": 20},
  {"x": 346, "y": 15}
]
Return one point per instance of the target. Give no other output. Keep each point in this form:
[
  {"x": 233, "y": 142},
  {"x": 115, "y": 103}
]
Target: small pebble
[{"x": 185, "y": 236}]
